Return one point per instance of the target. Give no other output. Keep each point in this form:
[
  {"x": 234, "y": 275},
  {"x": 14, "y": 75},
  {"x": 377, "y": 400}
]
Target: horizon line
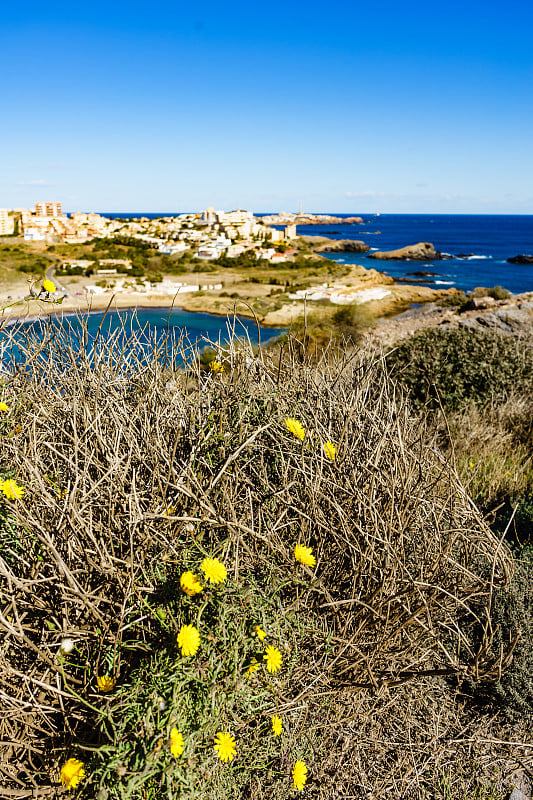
[{"x": 341, "y": 213}]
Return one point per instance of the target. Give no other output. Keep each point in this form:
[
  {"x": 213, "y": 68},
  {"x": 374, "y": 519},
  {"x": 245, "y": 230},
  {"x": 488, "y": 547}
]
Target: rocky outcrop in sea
[
  {"x": 343, "y": 246},
  {"x": 421, "y": 251},
  {"x": 521, "y": 259}
]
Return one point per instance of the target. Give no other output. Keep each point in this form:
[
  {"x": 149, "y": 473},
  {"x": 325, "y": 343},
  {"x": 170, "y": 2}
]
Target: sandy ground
[{"x": 209, "y": 301}]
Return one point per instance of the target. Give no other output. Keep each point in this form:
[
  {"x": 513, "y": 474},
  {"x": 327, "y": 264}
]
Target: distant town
[
  {"x": 207, "y": 257},
  {"x": 209, "y": 235}
]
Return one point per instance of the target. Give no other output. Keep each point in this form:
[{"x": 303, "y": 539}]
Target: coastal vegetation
[
  {"x": 204, "y": 569},
  {"x": 475, "y": 390},
  {"x": 19, "y": 258}
]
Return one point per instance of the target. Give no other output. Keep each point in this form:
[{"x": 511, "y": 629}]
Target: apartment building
[
  {"x": 7, "y": 223},
  {"x": 48, "y": 209}
]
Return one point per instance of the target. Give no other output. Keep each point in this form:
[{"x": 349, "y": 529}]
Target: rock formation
[
  {"x": 309, "y": 219},
  {"x": 522, "y": 259},
  {"x": 343, "y": 246},
  {"x": 422, "y": 251}
]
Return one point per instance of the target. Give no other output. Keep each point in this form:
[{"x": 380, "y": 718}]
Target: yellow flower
[
  {"x": 176, "y": 742},
  {"x": 277, "y": 725},
  {"x": 304, "y": 555},
  {"x": 273, "y": 658},
  {"x": 330, "y": 450},
  {"x": 4, "y": 407},
  {"x": 12, "y": 490},
  {"x": 105, "y": 683},
  {"x": 72, "y": 772},
  {"x": 299, "y": 775},
  {"x": 225, "y": 746},
  {"x": 252, "y": 668},
  {"x": 295, "y": 427},
  {"x": 170, "y": 511},
  {"x": 48, "y": 286},
  {"x": 188, "y": 640},
  {"x": 471, "y": 464},
  {"x": 261, "y": 635},
  {"x": 214, "y": 570},
  {"x": 190, "y": 584},
  {"x": 216, "y": 366}
]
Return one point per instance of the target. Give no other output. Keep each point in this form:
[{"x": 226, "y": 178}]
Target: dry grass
[
  {"x": 493, "y": 448},
  {"x": 134, "y": 467}
]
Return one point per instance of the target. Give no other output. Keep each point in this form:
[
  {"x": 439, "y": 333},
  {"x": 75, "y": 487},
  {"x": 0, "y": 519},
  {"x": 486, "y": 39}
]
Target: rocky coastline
[
  {"x": 322, "y": 244},
  {"x": 512, "y": 316},
  {"x": 310, "y": 219}
]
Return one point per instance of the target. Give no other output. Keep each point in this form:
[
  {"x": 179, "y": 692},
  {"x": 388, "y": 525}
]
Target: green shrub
[
  {"x": 35, "y": 265},
  {"x": 460, "y": 366},
  {"x": 455, "y": 300},
  {"x": 352, "y": 320},
  {"x": 497, "y": 292},
  {"x": 512, "y": 618}
]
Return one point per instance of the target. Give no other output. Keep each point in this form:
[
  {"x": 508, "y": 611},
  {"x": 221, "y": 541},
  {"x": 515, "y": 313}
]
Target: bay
[{"x": 141, "y": 329}]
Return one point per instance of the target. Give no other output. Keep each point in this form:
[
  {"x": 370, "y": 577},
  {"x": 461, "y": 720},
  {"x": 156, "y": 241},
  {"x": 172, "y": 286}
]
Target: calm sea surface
[
  {"x": 484, "y": 242},
  {"x": 149, "y": 325},
  {"x": 480, "y": 244}
]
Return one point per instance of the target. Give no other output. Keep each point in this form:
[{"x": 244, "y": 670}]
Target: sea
[
  {"x": 177, "y": 332},
  {"x": 479, "y": 244}
]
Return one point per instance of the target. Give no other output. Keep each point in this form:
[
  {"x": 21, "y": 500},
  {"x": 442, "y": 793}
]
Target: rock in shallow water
[
  {"x": 521, "y": 259},
  {"x": 422, "y": 251}
]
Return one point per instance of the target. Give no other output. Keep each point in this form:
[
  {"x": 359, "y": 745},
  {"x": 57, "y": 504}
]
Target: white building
[
  {"x": 209, "y": 216},
  {"x": 7, "y": 222},
  {"x": 235, "y": 250},
  {"x": 274, "y": 235},
  {"x": 34, "y": 234},
  {"x": 267, "y": 253},
  {"x": 48, "y": 209},
  {"x": 290, "y": 232},
  {"x": 172, "y": 248},
  {"x": 238, "y": 223},
  {"x": 207, "y": 252}
]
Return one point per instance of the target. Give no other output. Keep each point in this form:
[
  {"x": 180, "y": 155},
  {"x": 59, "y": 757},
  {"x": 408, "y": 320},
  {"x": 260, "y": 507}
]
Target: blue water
[
  {"x": 492, "y": 239},
  {"x": 149, "y": 325},
  {"x": 488, "y": 240}
]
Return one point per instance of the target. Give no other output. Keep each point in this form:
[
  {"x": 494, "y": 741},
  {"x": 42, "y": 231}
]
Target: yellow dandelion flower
[
  {"x": 295, "y": 427},
  {"x": 299, "y": 775},
  {"x": 72, "y": 772},
  {"x": 216, "y": 366},
  {"x": 170, "y": 511},
  {"x": 105, "y": 683},
  {"x": 12, "y": 490},
  {"x": 188, "y": 640},
  {"x": 273, "y": 658},
  {"x": 48, "y": 286},
  {"x": 471, "y": 464},
  {"x": 259, "y": 632},
  {"x": 277, "y": 725},
  {"x": 214, "y": 570},
  {"x": 176, "y": 742},
  {"x": 190, "y": 584},
  {"x": 304, "y": 555},
  {"x": 330, "y": 450},
  {"x": 252, "y": 668},
  {"x": 4, "y": 406},
  {"x": 225, "y": 746}
]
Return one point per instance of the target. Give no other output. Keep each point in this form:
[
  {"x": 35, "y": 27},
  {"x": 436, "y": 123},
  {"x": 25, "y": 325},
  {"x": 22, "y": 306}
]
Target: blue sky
[{"x": 387, "y": 106}]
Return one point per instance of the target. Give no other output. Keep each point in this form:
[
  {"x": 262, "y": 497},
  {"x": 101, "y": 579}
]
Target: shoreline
[
  {"x": 47, "y": 309},
  {"x": 250, "y": 294}
]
